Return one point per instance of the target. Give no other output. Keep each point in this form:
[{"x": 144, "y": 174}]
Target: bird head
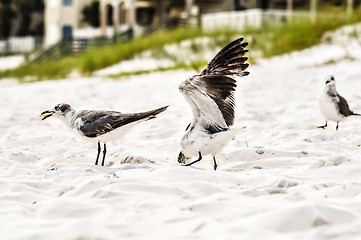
[
  {"x": 330, "y": 81},
  {"x": 60, "y": 110},
  {"x": 182, "y": 158}
]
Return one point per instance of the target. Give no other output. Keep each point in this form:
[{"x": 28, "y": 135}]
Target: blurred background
[{"x": 83, "y": 37}]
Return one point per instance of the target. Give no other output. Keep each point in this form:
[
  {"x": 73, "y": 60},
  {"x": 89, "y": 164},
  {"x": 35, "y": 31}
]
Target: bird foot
[{"x": 187, "y": 165}]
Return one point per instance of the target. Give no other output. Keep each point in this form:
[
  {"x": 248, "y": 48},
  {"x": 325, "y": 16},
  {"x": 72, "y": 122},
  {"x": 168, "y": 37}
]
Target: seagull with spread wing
[
  {"x": 98, "y": 125},
  {"x": 210, "y": 96}
]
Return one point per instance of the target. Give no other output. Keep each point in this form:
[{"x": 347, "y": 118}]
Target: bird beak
[{"x": 46, "y": 114}]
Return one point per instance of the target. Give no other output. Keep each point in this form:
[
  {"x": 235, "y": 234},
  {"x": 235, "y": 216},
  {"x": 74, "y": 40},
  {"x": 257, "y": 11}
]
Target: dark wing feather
[
  {"x": 227, "y": 108},
  {"x": 97, "y": 123},
  {"x": 343, "y": 107},
  {"x": 219, "y": 86},
  {"x": 230, "y": 60},
  {"x": 215, "y": 129}
]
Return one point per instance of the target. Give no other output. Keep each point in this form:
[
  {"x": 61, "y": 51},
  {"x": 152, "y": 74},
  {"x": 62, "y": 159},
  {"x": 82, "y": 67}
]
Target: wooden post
[
  {"x": 349, "y": 10},
  {"x": 115, "y": 20},
  {"x": 289, "y": 5},
  {"x": 313, "y": 11},
  {"x": 188, "y": 7},
  {"x": 131, "y": 14},
  {"x": 103, "y": 19},
  {"x": 289, "y": 9}
]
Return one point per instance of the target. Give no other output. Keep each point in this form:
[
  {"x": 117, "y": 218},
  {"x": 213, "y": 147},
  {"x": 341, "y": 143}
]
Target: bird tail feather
[
  {"x": 153, "y": 113},
  {"x": 238, "y": 127}
]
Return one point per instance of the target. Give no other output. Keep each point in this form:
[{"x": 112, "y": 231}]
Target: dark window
[
  {"x": 109, "y": 15},
  {"x": 122, "y": 14},
  {"x": 145, "y": 16},
  {"x": 67, "y": 2}
]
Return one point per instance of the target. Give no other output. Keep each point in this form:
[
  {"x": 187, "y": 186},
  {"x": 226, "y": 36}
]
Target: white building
[{"x": 62, "y": 17}]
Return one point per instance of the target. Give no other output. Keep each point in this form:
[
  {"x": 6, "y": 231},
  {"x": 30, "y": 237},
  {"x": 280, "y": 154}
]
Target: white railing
[
  {"x": 235, "y": 20},
  {"x": 17, "y": 45},
  {"x": 238, "y": 20}
]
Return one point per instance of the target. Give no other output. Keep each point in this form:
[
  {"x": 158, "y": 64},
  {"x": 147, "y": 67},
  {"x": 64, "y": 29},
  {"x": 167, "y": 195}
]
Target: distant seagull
[
  {"x": 210, "y": 96},
  {"x": 332, "y": 105},
  {"x": 99, "y": 126}
]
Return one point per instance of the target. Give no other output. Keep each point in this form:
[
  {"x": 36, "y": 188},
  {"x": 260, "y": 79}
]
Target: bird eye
[{"x": 64, "y": 107}]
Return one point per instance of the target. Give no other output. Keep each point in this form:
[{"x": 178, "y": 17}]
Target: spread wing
[
  {"x": 96, "y": 123},
  {"x": 210, "y": 94}
]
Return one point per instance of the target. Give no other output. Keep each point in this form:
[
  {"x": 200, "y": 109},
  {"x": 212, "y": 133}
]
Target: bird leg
[
  {"x": 104, "y": 152},
  {"x": 337, "y": 126},
  {"x": 96, "y": 162},
  {"x": 323, "y": 127},
  {"x": 215, "y": 163},
  {"x": 191, "y": 163}
]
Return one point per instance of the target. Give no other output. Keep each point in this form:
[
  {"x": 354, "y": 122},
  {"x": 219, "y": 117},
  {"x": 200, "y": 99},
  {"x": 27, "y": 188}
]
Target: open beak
[{"x": 46, "y": 114}]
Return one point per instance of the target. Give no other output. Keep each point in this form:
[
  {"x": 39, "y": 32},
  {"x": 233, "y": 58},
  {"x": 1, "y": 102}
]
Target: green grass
[
  {"x": 197, "y": 66},
  {"x": 100, "y": 57},
  {"x": 42, "y": 71},
  {"x": 277, "y": 39},
  {"x": 270, "y": 40}
]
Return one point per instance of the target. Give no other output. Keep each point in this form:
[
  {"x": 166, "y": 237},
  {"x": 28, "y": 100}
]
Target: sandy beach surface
[{"x": 281, "y": 178}]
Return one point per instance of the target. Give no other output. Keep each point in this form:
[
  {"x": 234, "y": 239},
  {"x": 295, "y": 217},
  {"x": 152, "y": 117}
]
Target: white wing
[{"x": 204, "y": 108}]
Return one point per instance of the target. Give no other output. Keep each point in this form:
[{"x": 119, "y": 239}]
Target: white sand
[
  {"x": 11, "y": 62},
  {"x": 292, "y": 181},
  {"x": 133, "y": 65},
  {"x": 168, "y": 56}
]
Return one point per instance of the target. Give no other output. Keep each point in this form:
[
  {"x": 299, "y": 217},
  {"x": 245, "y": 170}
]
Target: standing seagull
[
  {"x": 99, "y": 126},
  {"x": 210, "y": 96},
  {"x": 332, "y": 105}
]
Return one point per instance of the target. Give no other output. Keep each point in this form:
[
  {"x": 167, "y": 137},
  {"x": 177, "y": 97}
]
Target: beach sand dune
[{"x": 281, "y": 178}]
